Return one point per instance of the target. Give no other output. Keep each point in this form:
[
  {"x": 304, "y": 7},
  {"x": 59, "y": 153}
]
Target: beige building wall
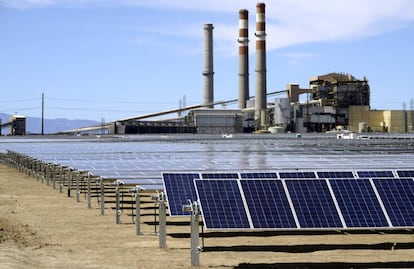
[{"x": 392, "y": 121}]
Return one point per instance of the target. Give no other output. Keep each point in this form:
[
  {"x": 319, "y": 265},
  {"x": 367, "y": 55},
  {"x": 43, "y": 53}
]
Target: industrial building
[{"x": 16, "y": 125}]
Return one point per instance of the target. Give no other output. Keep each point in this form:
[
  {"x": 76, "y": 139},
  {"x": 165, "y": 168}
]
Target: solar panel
[
  {"x": 222, "y": 204},
  {"x": 258, "y": 175},
  {"x": 297, "y": 175},
  {"x": 335, "y": 174},
  {"x": 375, "y": 173},
  {"x": 358, "y": 203},
  {"x": 313, "y": 204},
  {"x": 179, "y": 188},
  {"x": 219, "y": 175},
  {"x": 397, "y": 195},
  {"x": 405, "y": 173},
  {"x": 268, "y": 204}
]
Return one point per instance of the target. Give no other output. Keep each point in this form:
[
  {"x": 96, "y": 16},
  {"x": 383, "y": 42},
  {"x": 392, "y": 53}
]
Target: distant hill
[{"x": 51, "y": 126}]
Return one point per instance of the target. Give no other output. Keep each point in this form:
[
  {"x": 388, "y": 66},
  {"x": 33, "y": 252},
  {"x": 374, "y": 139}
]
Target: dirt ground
[{"x": 42, "y": 228}]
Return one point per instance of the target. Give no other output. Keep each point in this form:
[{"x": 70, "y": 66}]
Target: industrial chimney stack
[
  {"x": 208, "y": 72},
  {"x": 243, "y": 57},
  {"x": 260, "y": 99}
]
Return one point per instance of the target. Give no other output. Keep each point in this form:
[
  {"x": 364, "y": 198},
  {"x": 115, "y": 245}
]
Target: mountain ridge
[{"x": 51, "y": 126}]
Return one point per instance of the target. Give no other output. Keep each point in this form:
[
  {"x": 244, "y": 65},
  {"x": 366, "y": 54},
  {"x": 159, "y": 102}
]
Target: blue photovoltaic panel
[
  {"x": 358, "y": 203},
  {"x": 268, "y": 204},
  {"x": 221, "y": 204},
  {"x": 219, "y": 175},
  {"x": 335, "y": 174},
  {"x": 405, "y": 173},
  {"x": 313, "y": 204},
  {"x": 179, "y": 188},
  {"x": 297, "y": 175},
  {"x": 258, "y": 175},
  {"x": 375, "y": 173},
  {"x": 397, "y": 195}
]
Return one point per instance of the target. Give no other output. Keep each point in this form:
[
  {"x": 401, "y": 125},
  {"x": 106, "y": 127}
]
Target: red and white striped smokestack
[
  {"x": 243, "y": 57},
  {"x": 208, "y": 72},
  {"x": 260, "y": 98}
]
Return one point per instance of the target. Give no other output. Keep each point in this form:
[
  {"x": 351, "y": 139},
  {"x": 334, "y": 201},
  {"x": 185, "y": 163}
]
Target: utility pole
[{"x": 43, "y": 113}]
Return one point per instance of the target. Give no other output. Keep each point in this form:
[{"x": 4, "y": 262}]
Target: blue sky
[{"x": 96, "y": 59}]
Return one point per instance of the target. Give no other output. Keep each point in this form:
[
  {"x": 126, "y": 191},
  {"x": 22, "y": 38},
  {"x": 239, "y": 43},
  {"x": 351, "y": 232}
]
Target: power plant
[{"x": 334, "y": 101}]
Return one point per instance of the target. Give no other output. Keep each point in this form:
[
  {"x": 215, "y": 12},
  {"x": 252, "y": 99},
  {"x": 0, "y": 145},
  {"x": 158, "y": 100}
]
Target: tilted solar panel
[
  {"x": 304, "y": 174},
  {"x": 313, "y": 204},
  {"x": 397, "y": 195},
  {"x": 258, "y": 175},
  {"x": 219, "y": 175},
  {"x": 222, "y": 204},
  {"x": 179, "y": 188},
  {"x": 335, "y": 174},
  {"x": 375, "y": 173},
  {"x": 358, "y": 203},
  {"x": 405, "y": 173},
  {"x": 268, "y": 204}
]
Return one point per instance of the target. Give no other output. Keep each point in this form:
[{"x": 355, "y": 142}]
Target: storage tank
[{"x": 282, "y": 111}]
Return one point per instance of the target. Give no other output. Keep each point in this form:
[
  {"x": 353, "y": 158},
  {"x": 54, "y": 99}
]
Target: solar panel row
[
  {"x": 296, "y": 203},
  {"x": 185, "y": 180}
]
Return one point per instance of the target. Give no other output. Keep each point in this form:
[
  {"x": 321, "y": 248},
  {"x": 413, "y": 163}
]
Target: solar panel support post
[
  {"x": 47, "y": 174},
  {"x": 162, "y": 221},
  {"x": 136, "y": 192},
  {"x": 195, "y": 235},
  {"x": 117, "y": 184},
  {"x": 36, "y": 170},
  {"x": 117, "y": 209},
  {"x": 137, "y": 212},
  {"x": 69, "y": 179},
  {"x": 77, "y": 186},
  {"x": 54, "y": 177},
  {"x": 89, "y": 190},
  {"x": 42, "y": 171},
  {"x": 102, "y": 200}
]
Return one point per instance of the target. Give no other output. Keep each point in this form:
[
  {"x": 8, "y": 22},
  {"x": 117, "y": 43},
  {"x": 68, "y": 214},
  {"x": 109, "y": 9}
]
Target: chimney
[
  {"x": 243, "y": 57},
  {"x": 208, "y": 72},
  {"x": 260, "y": 98}
]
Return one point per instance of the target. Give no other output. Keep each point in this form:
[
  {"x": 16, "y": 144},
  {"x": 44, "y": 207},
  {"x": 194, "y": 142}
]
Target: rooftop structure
[{"x": 340, "y": 91}]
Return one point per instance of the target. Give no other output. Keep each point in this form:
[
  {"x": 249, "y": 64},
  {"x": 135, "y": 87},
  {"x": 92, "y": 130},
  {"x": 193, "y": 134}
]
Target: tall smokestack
[
  {"x": 243, "y": 57},
  {"x": 260, "y": 98},
  {"x": 208, "y": 72}
]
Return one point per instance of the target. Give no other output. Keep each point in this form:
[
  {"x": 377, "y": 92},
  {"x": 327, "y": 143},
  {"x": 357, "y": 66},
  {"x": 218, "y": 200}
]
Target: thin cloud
[
  {"x": 288, "y": 22},
  {"x": 25, "y": 4},
  {"x": 295, "y": 58}
]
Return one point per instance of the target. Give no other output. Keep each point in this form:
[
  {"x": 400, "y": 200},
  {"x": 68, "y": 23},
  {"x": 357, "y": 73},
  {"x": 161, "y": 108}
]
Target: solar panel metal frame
[
  {"x": 247, "y": 225},
  {"x": 405, "y": 173},
  {"x": 219, "y": 175},
  {"x": 258, "y": 175},
  {"x": 354, "y": 210},
  {"x": 391, "y": 203},
  {"x": 335, "y": 174},
  {"x": 176, "y": 200},
  {"x": 294, "y": 191},
  {"x": 297, "y": 174},
  {"x": 375, "y": 173},
  {"x": 275, "y": 194}
]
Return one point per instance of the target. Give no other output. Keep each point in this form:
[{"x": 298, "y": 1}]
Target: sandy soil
[{"x": 42, "y": 228}]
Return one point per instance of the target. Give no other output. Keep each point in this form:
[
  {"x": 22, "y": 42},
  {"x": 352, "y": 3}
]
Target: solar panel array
[
  {"x": 137, "y": 158},
  {"x": 254, "y": 201}
]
